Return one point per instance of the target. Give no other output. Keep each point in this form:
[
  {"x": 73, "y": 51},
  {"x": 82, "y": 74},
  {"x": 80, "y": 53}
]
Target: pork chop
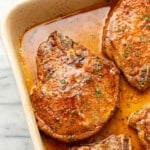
[
  {"x": 76, "y": 93},
  {"x": 126, "y": 40},
  {"x": 140, "y": 120},
  {"x": 113, "y": 142}
]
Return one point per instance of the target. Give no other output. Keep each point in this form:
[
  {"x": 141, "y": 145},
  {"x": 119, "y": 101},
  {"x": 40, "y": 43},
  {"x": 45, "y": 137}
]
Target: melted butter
[{"x": 85, "y": 28}]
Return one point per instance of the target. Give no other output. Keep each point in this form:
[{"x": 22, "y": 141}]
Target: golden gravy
[{"x": 85, "y": 28}]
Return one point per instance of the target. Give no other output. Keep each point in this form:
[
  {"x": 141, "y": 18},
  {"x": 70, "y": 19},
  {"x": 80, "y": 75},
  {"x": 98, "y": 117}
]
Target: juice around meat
[{"x": 85, "y": 28}]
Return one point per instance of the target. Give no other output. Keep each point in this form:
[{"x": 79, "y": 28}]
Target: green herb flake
[
  {"x": 88, "y": 78},
  {"x": 148, "y": 26},
  {"x": 127, "y": 50},
  {"x": 53, "y": 128},
  {"x": 93, "y": 37},
  {"x": 127, "y": 53},
  {"x": 143, "y": 77},
  {"x": 97, "y": 87},
  {"x": 129, "y": 46},
  {"x": 128, "y": 105},
  {"x": 97, "y": 68},
  {"x": 70, "y": 137},
  {"x": 123, "y": 29},
  {"x": 127, "y": 118},
  {"x": 143, "y": 40},
  {"x": 63, "y": 81},
  {"x": 98, "y": 94},
  {"x": 147, "y": 18},
  {"x": 141, "y": 82},
  {"x": 63, "y": 87}
]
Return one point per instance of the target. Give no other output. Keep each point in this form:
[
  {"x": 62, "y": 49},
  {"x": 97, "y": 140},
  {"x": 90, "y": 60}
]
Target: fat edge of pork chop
[
  {"x": 113, "y": 142},
  {"x": 76, "y": 93},
  {"x": 140, "y": 120},
  {"x": 126, "y": 40}
]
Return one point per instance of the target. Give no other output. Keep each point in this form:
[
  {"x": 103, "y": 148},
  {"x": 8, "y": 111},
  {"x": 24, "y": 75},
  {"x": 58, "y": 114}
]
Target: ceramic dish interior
[{"x": 17, "y": 21}]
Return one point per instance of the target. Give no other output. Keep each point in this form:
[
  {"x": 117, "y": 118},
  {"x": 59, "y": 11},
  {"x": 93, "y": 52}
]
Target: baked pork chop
[
  {"x": 76, "y": 93},
  {"x": 140, "y": 120},
  {"x": 113, "y": 142},
  {"x": 126, "y": 40}
]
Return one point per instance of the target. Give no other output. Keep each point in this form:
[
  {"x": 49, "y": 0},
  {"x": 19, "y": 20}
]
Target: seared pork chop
[
  {"x": 126, "y": 40},
  {"x": 113, "y": 142},
  {"x": 140, "y": 120},
  {"x": 76, "y": 93}
]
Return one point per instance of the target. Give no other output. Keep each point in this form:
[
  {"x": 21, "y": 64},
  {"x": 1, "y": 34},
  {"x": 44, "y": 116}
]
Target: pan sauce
[{"x": 86, "y": 28}]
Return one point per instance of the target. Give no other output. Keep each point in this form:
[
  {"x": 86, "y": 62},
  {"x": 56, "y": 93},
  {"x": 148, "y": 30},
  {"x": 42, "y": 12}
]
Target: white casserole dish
[{"x": 17, "y": 21}]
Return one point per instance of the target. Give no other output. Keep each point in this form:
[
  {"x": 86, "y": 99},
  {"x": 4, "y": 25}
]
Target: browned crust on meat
[
  {"x": 126, "y": 40},
  {"x": 77, "y": 92},
  {"x": 140, "y": 120},
  {"x": 113, "y": 142}
]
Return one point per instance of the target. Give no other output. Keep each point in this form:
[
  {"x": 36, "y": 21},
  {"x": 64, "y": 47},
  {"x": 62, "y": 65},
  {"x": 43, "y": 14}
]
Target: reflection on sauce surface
[{"x": 85, "y": 28}]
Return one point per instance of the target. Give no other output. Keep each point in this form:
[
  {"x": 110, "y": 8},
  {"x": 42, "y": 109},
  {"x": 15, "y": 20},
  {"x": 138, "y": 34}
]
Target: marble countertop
[{"x": 14, "y": 133}]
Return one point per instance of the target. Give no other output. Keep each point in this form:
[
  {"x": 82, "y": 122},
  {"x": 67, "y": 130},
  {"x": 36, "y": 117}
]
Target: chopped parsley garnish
[
  {"x": 70, "y": 137},
  {"x": 123, "y": 29},
  {"x": 127, "y": 53},
  {"x": 147, "y": 18},
  {"x": 63, "y": 81},
  {"x": 129, "y": 46},
  {"x": 143, "y": 77},
  {"x": 98, "y": 94},
  {"x": 97, "y": 68},
  {"x": 148, "y": 26},
  {"x": 63, "y": 87},
  {"x": 93, "y": 36},
  {"x": 128, "y": 105},
  {"x": 143, "y": 40},
  {"x": 141, "y": 82},
  {"x": 127, "y": 50},
  {"x": 88, "y": 78}
]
